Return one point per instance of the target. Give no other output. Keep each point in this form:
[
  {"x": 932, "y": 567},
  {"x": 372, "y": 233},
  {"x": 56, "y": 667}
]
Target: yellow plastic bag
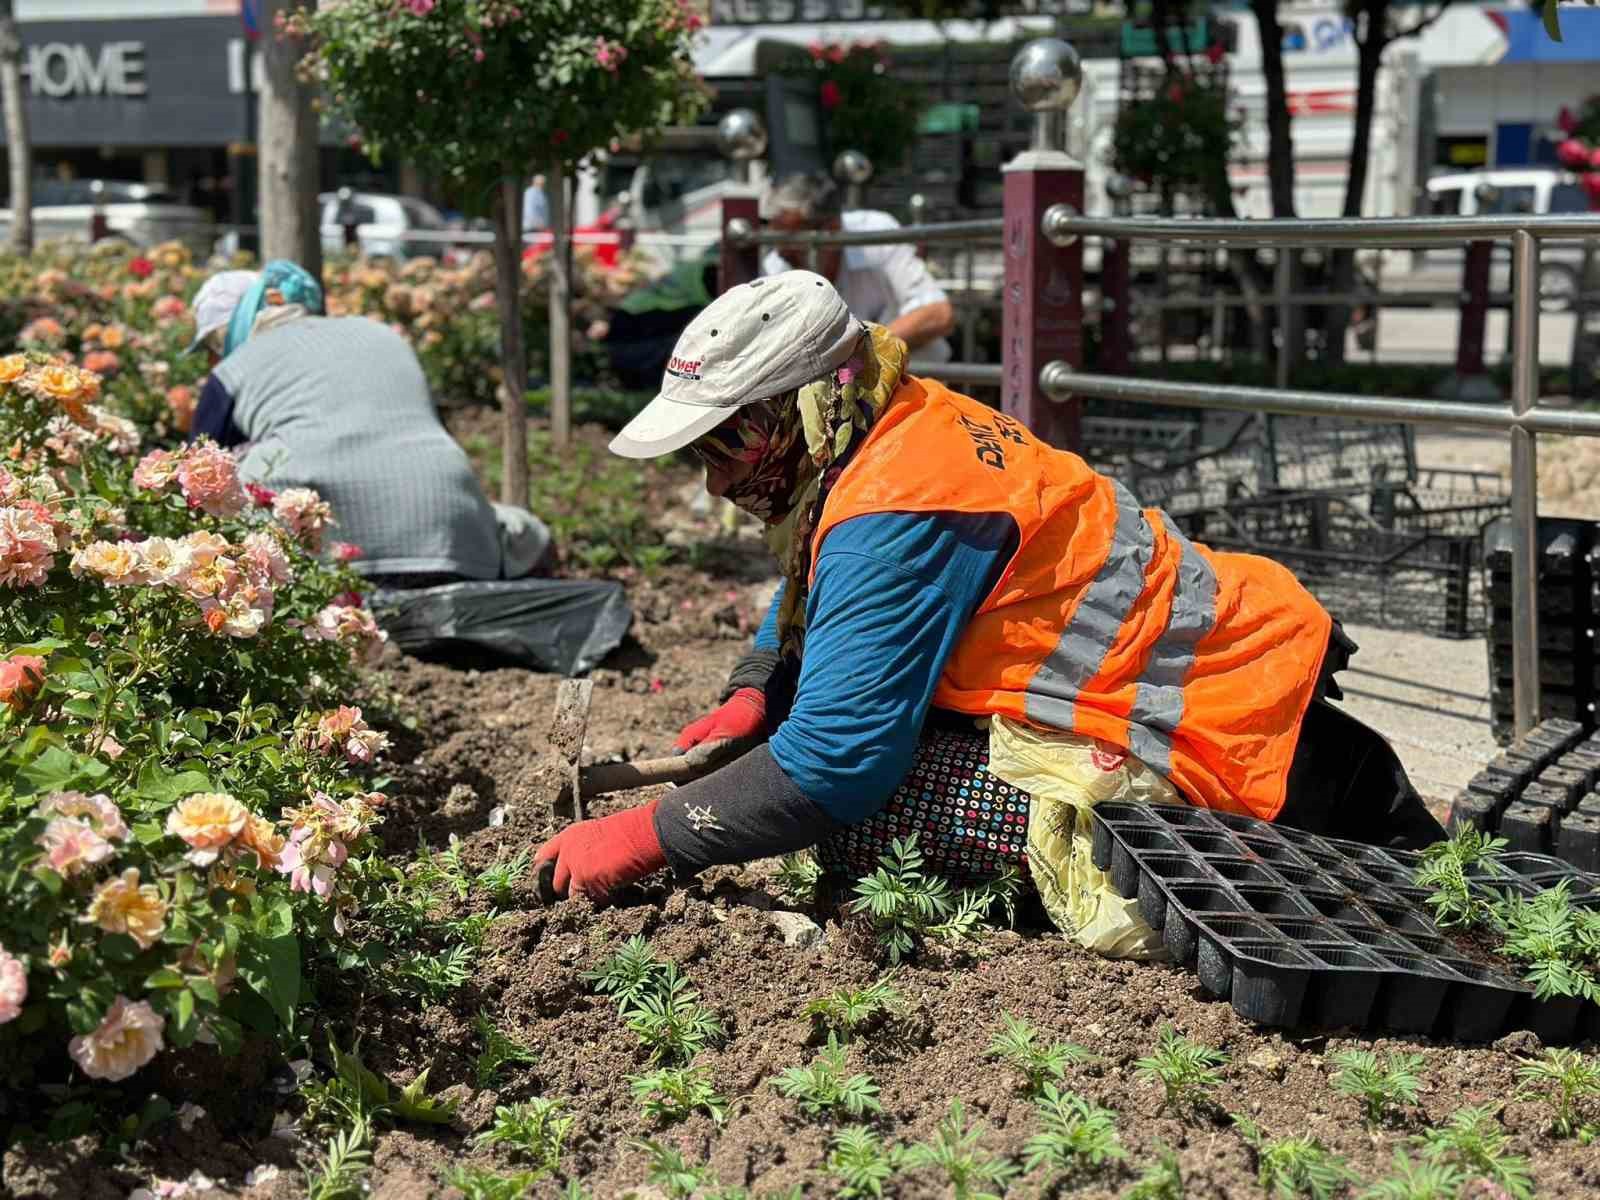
[{"x": 1067, "y": 775}]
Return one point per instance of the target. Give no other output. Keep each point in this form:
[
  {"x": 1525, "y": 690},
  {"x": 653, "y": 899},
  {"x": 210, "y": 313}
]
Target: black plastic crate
[{"x": 1300, "y": 930}]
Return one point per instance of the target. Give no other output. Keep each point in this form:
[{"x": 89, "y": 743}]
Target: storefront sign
[
  {"x": 61, "y": 69},
  {"x": 161, "y": 81}
]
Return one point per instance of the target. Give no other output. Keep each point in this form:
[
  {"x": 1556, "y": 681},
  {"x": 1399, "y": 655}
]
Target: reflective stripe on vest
[
  {"x": 1158, "y": 692},
  {"x": 1109, "y": 597},
  {"x": 1107, "y": 603}
]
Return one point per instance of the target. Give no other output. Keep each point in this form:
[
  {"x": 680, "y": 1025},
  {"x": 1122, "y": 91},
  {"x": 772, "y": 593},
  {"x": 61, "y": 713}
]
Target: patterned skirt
[{"x": 970, "y": 824}]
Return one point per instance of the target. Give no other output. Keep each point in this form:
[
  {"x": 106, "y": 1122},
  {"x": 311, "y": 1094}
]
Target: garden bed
[{"x": 476, "y": 748}]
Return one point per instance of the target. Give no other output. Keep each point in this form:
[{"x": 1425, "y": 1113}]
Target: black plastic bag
[{"x": 565, "y": 626}]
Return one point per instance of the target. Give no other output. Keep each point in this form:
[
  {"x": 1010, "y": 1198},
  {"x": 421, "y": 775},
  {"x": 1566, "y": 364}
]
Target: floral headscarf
[{"x": 800, "y": 443}]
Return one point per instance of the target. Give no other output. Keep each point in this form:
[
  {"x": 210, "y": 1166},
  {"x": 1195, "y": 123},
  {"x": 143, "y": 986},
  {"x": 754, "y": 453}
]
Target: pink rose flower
[
  {"x": 155, "y": 470},
  {"x": 72, "y": 846},
  {"x": 21, "y": 677},
  {"x": 99, "y": 811},
  {"x": 27, "y": 545},
  {"x": 305, "y": 514},
  {"x": 209, "y": 477},
  {"x": 13, "y": 987}
]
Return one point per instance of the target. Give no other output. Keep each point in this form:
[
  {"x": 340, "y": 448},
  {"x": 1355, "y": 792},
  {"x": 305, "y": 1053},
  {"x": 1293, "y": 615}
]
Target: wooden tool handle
[{"x": 601, "y": 778}]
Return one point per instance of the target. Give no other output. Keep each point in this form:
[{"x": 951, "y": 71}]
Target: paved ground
[{"x": 1429, "y": 697}]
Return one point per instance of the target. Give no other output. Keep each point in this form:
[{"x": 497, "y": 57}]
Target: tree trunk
[
  {"x": 289, "y": 170},
  {"x": 560, "y": 306},
  {"x": 19, "y": 149},
  {"x": 1371, "y": 35},
  {"x": 513, "y": 354},
  {"x": 1280, "y": 159}
]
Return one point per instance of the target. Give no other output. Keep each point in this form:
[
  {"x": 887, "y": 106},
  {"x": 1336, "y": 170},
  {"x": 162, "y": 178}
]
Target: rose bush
[
  {"x": 180, "y": 808},
  {"x": 132, "y": 328}
]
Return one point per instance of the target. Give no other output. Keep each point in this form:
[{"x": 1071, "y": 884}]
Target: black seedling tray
[
  {"x": 1551, "y": 768},
  {"x": 1300, "y": 930}
]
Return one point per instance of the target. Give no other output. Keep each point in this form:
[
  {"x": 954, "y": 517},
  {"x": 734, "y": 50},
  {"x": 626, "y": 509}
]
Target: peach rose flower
[
  {"x": 207, "y": 822},
  {"x": 128, "y": 1038},
  {"x": 123, "y": 905}
]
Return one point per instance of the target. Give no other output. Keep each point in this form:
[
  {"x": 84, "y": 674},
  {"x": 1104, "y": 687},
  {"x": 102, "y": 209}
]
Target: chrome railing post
[{"x": 1524, "y": 482}]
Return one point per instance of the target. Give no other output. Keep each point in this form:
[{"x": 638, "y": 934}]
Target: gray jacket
[{"x": 340, "y": 404}]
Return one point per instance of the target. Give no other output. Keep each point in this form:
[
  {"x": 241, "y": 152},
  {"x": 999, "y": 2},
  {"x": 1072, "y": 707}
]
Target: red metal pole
[
  {"x": 1116, "y": 299},
  {"x": 1474, "y": 310},
  {"x": 1043, "y": 314},
  {"x": 740, "y": 264}
]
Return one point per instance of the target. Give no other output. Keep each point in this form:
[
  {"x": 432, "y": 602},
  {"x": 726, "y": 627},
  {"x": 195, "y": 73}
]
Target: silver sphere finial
[
  {"x": 1119, "y": 186},
  {"x": 1046, "y": 75},
  {"x": 852, "y": 167},
  {"x": 741, "y": 136}
]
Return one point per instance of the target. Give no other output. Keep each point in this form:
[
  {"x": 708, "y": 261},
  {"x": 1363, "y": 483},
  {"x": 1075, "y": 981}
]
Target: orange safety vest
[{"x": 1107, "y": 622}]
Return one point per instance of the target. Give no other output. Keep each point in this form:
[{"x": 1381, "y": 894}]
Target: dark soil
[{"x": 479, "y": 743}]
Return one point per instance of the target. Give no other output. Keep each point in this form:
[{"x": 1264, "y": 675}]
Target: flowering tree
[
  {"x": 1580, "y": 151},
  {"x": 480, "y": 91},
  {"x": 864, "y": 106}
]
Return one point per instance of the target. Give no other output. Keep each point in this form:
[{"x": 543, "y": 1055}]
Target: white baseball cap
[
  {"x": 215, "y": 301},
  {"x": 751, "y": 343}
]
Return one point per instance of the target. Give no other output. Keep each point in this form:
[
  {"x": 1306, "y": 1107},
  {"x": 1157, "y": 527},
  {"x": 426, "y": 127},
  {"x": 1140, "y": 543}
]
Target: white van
[{"x": 1531, "y": 190}]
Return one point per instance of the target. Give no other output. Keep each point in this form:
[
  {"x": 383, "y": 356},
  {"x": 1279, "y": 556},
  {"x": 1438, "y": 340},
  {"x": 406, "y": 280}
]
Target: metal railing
[{"x": 1523, "y": 419}]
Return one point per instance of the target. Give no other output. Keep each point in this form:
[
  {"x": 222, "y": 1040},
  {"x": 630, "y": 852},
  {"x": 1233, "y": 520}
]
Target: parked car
[
  {"x": 1531, "y": 190},
  {"x": 385, "y": 225},
  {"x": 138, "y": 213}
]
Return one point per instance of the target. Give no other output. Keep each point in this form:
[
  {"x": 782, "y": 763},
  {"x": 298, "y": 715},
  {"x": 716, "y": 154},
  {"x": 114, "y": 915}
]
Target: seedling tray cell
[{"x": 1300, "y": 930}]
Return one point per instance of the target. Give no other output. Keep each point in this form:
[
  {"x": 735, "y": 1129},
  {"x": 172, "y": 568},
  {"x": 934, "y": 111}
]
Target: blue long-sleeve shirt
[{"x": 892, "y": 594}]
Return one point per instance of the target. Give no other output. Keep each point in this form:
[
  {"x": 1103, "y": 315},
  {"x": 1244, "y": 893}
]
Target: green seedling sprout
[
  {"x": 1295, "y": 1166},
  {"x": 633, "y": 971},
  {"x": 954, "y": 1152},
  {"x": 671, "y": 1022},
  {"x": 1443, "y": 869},
  {"x": 847, "y": 1012},
  {"x": 1473, "y": 1140},
  {"x": 1075, "y": 1135},
  {"x": 1187, "y": 1070},
  {"x": 799, "y": 876},
  {"x": 675, "y": 1093},
  {"x": 862, "y": 1163},
  {"x": 477, "y": 1183},
  {"x": 673, "y": 1173},
  {"x": 499, "y": 1050},
  {"x": 1418, "y": 1181},
  {"x": 1379, "y": 1086},
  {"x": 823, "y": 1088},
  {"x": 1575, "y": 1080},
  {"x": 535, "y": 1129},
  {"x": 1161, "y": 1180},
  {"x": 1019, "y": 1045},
  {"x": 504, "y": 875}
]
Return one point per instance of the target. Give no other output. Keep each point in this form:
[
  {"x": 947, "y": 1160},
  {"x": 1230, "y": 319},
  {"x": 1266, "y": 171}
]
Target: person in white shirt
[
  {"x": 535, "y": 207},
  {"x": 886, "y": 285}
]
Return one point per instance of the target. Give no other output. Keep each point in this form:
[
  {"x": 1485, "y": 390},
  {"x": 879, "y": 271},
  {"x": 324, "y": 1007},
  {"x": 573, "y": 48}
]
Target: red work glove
[
  {"x": 595, "y": 858},
  {"x": 743, "y": 716}
]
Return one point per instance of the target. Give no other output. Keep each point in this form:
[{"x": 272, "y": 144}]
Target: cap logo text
[{"x": 684, "y": 368}]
